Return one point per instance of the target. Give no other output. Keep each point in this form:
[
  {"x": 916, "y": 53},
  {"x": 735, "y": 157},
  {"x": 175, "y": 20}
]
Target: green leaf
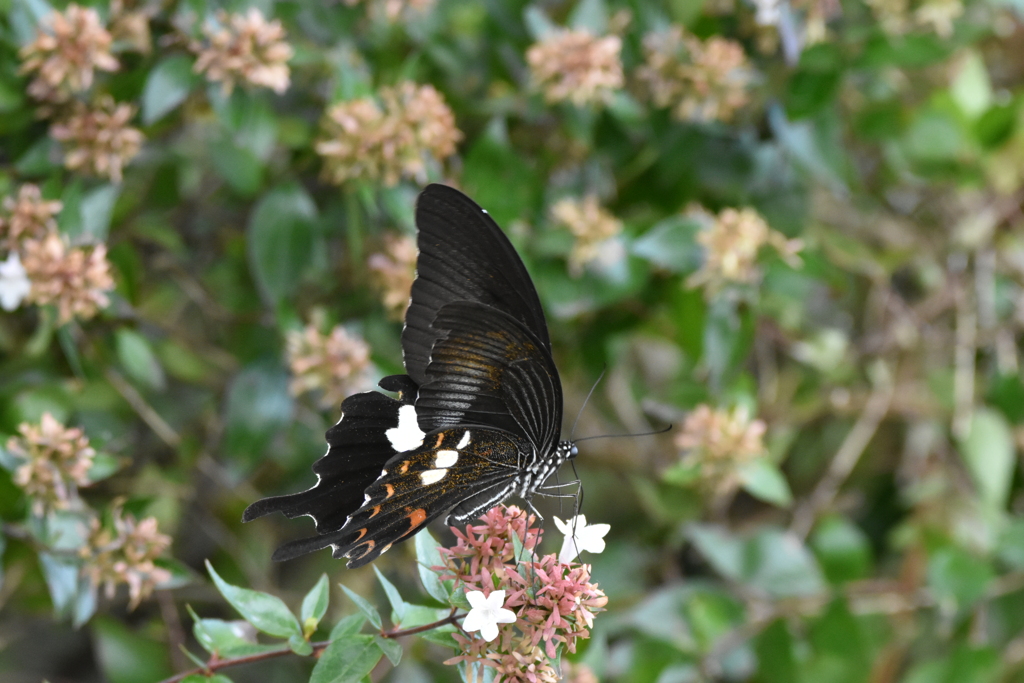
[
  {"x": 814, "y": 84},
  {"x": 266, "y": 612},
  {"x": 955, "y": 574},
  {"x": 776, "y": 654},
  {"x": 96, "y": 208},
  {"x": 498, "y": 178},
  {"x": 988, "y": 452},
  {"x": 590, "y": 15},
  {"x": 398, "y": 605},
  {"x": 238, "y": 166},
  {"x": 971, "y": 88},
  {"x": 843, "y": 550},
  {"x": 103, "y": 466},
  {"x": 258, "y": 406},
  {"x": 840, "y": 645},
  {"x": 682, "y": 474},
  {"x": 771, "y": 559},
  {"x": 1010, "y": 548},
  {"x": 764, "y": 480},
  {"x": 427, "y": 556},
  {"x": 226, "y": 638},
  {"x": 441, "y": 636},
  {"x": 934, "y": 137},
  {"x": 167, "y": 86},
  {"x": 40, "y": 159},
  {"x": 300, "y": 646},
  {"x": 314, "y": 605},
  {"x": 126, "y": 656},
  {"x": 138, "y": 360},
  {"x": 391, "y": 648},
  {"x": 86, "y": 601},
  {"x": 62, "y": 581},
  {"x": 348, "y": 626},
  {"x": 283, "y": 241},
  {"x": 346, "y": 660},
  {"x": 670, "y": 244},
  {"x": 371, "y": 613}
]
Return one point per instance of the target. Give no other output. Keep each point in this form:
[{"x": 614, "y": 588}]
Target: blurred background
[{"x": 790, "y": 228}]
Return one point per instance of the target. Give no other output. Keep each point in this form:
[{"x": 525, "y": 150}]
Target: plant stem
[
  {"x": 216, "y": 664},
  {"x": 450, "y": 619}
]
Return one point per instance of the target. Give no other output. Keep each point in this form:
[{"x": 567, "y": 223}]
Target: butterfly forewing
[
  {"x": 464, "y": 256},
  {"x": 420, "y": 485}
]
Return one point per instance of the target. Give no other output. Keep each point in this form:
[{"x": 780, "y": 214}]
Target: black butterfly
[{"x": 478, "y": 413}]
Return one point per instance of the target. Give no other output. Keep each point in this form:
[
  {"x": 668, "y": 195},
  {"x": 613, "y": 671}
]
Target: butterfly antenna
[
  {"x": 586, "y": 401},
  {"x": 616, "y": 436}
]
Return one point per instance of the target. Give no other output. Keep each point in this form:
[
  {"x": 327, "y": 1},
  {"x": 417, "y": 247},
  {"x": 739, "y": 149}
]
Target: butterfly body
[{"x": 478, "y": 413}]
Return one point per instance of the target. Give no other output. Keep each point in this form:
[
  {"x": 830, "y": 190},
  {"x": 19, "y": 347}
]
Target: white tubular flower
[
  {"x": 580, "y": 537},
  {"x": 14, "y": 282},
  {"x": 487, "y": 613}
]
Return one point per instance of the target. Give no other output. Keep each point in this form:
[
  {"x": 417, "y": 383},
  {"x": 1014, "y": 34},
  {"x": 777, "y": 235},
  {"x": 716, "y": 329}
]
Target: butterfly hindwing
[
  {"x": 490, "y": 370},
  {"x": 451, "y": 466},
  {"x": 358, "y": 448},
  {"x": 463, "y": 256}
]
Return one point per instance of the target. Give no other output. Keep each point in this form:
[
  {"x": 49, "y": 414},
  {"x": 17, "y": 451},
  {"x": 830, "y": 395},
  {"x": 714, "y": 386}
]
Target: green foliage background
[{"x": 897, "y": 158}]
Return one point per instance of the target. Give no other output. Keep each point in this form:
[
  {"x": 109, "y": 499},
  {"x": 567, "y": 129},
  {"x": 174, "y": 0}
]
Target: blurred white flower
[
  {"x": 487, "y": 613},
  {"x": 580, "y": 537},
  {"x": 14, "y": 282},
  {"x": 768, "y": 12}
]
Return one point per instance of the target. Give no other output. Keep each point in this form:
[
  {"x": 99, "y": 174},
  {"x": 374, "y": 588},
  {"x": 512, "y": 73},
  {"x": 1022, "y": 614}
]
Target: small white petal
[
  {"x": 14, "y": 282},
  {"x": 474, "y": 621},
  {"x": 477, "y": 599},
  {"x": 496, "y": 599},
  {"x": 489, "y": 631},
  {"x": 505, "y": 616},
  {"x": 580, "y": 537},
  {"x": 487, "y": 613}
]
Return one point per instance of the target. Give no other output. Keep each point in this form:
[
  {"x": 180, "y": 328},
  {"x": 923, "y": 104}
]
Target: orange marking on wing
[
  {"x": 376, "y": 509},
  {"x": 404, "y": 468},
  {"x": 362, "y": 532},
  {"x": 440, "y": 438},
  {"x": 416, "y": 518},
  {"x": 390, "y": 491},
  {"x": 368, "y": 545}
]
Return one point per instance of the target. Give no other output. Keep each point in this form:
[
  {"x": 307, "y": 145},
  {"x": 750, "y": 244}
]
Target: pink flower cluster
[{"x": 554, "y": 603}]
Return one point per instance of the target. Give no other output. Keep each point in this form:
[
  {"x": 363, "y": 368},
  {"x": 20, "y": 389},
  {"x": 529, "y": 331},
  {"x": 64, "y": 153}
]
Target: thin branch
[
  {"x": 849, "y": 453},
  {"x": 175, "y": 631},
  {"x": 450, "y": 619},
  {"x": 215, "y": 665},
  {"x": 964, "y": 356},
  {"x": 143, "y": 409}
]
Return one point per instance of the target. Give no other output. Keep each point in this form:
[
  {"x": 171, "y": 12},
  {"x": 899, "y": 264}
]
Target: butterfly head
[{"x": 567, "y": 451}]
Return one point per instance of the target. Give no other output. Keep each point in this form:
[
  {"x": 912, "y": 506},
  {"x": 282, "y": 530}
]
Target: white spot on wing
[
  {"x": 432, "y": 476},
  {"x": 446, "y": 459},
  {"x": 407, "y": 435},
  {"x": 464, "y": 441}
]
